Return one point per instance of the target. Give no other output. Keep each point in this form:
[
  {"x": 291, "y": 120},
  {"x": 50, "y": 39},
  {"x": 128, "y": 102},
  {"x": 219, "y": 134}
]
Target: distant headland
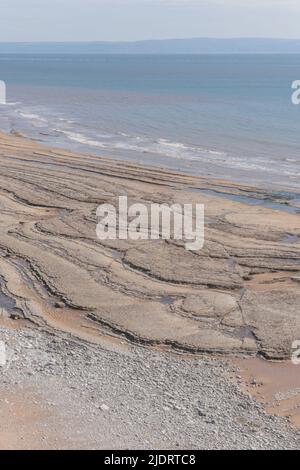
[{"x": 164, "y": 46}]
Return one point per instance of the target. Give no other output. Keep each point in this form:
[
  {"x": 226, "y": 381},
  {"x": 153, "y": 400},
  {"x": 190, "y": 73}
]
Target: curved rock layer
[{"x": 239, "y": 294}]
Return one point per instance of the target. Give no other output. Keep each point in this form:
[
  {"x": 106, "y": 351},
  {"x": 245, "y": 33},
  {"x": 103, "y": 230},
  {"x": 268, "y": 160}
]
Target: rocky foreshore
[{"x": 239, "y": 295}]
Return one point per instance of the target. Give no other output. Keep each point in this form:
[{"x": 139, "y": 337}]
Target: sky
[{"x": 130, "y": 20}]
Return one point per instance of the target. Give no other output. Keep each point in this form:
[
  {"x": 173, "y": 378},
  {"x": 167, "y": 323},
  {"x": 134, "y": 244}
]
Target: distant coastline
[{"x": 164, "y": 46}]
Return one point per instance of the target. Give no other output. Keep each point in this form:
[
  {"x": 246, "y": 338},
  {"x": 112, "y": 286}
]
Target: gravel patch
[{"x": 88, "y": 397}]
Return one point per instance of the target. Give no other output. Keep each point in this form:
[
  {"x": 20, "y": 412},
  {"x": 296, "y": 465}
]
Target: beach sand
[{"x": 238, "y": 296}]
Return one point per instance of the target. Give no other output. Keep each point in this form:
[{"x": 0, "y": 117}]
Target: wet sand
[{"x": 274, "y": 384}]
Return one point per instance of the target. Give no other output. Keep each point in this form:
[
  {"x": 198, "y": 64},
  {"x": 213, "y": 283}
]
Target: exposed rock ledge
[{"x": 240, "y": 294}]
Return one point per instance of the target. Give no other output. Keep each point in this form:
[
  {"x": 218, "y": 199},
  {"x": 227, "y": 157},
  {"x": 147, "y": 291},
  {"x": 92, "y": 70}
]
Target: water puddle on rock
[
  {"x": 6, "y": 303},
  {"x": 243, "y": 333},
  {"x": 117, "y": 254},
  {"x": 8, "y": 309},
  {"x": 289, "y": 239},
  {"x": 275, "y": 202},
  {"x": 166, "y": 300}
]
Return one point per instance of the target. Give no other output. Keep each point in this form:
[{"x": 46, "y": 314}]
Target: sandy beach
[{"x": 143, "y": 332}]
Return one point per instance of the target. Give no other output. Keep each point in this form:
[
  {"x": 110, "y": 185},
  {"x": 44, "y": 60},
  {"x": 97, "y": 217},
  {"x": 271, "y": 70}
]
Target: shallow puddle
[
  {"x": 269, "y": 203},
  {"x": 275, "y": 384},
  {"x": 290, "y": 239},
  {"x": 166, "y": 300}
]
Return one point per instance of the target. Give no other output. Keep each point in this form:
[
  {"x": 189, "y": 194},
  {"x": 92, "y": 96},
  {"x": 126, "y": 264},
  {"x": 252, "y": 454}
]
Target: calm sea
[{"x": 226, "y": 116}]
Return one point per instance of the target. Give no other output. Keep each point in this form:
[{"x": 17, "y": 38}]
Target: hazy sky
[{"x": 91, "y": 20}]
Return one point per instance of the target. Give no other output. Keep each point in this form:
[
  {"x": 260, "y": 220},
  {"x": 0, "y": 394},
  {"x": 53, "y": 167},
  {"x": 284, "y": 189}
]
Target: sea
[{"x": 223, "y": 116}]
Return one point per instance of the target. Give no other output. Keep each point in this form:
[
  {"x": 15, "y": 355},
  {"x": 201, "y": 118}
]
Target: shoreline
[
  {"x": 239, "y": 296},
  {"x": 274, "y": 196}
]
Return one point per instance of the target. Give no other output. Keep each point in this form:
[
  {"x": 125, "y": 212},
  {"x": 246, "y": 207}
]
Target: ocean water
[{"x": 220, "y": 115}]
